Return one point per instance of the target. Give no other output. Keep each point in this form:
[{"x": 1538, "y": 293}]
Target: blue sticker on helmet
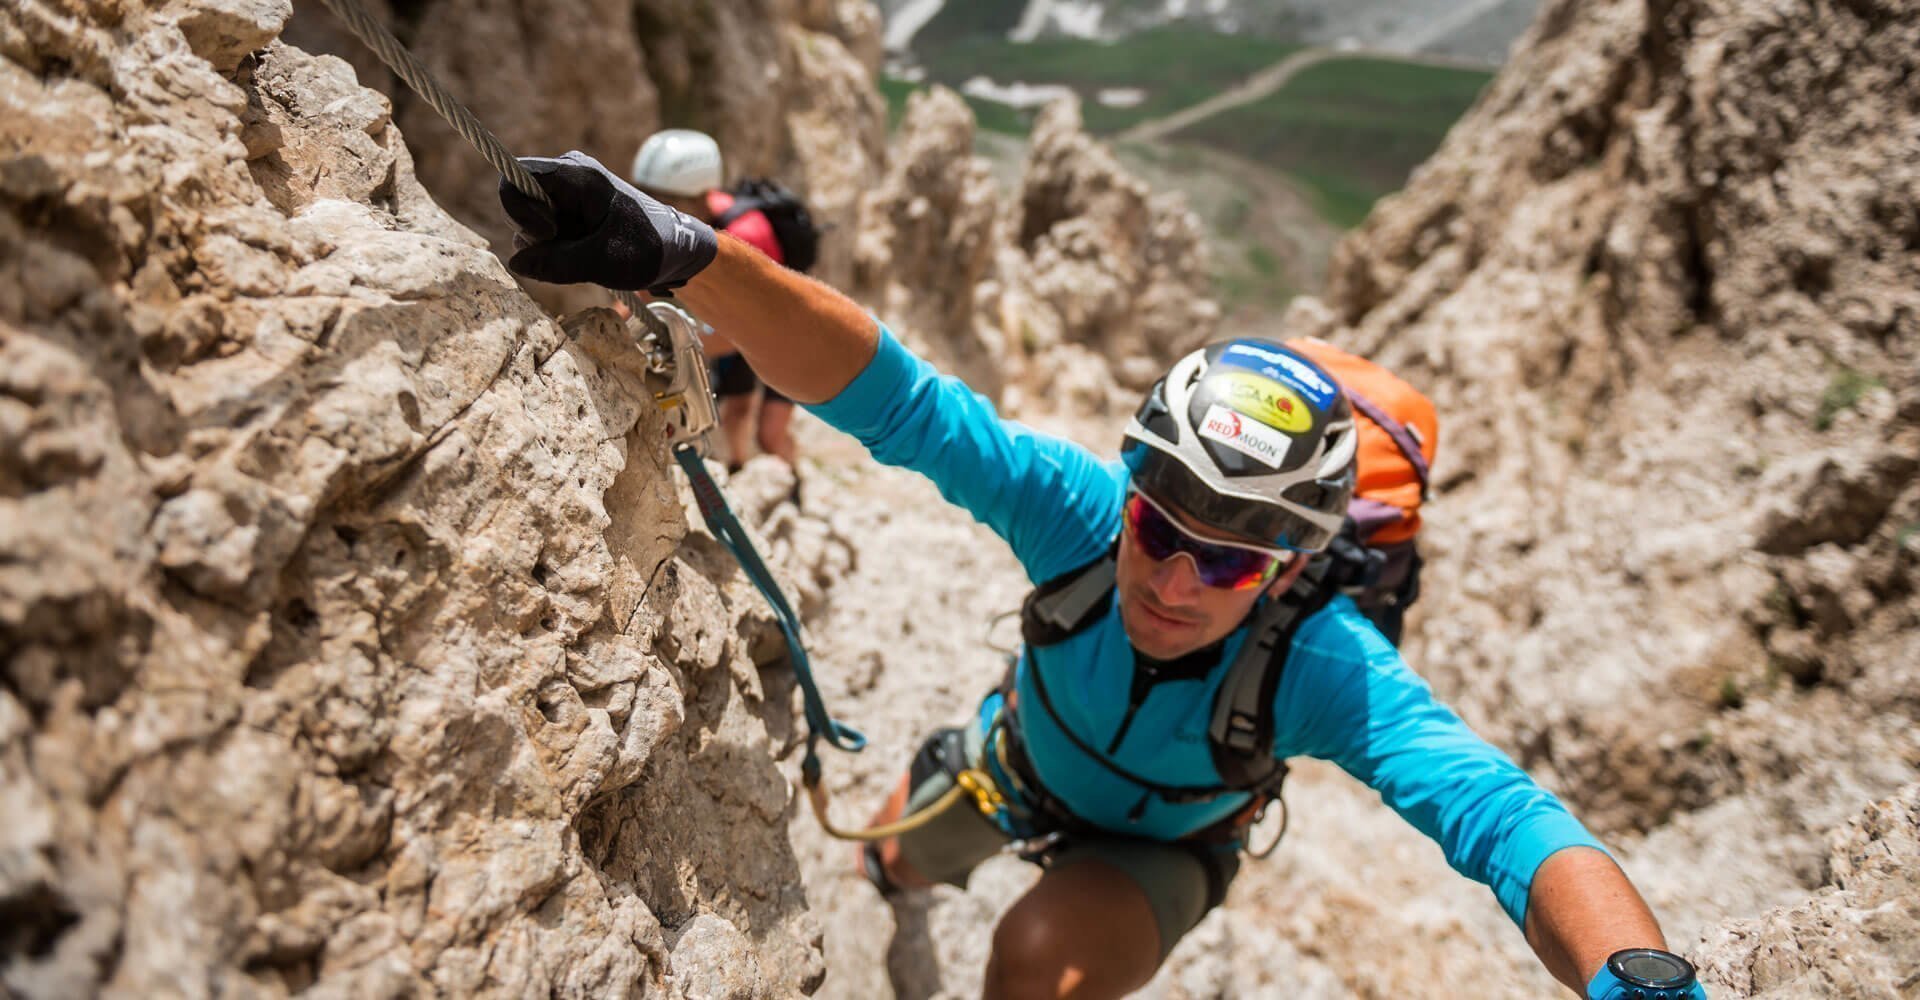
[{"x": 1281, "y": 365}]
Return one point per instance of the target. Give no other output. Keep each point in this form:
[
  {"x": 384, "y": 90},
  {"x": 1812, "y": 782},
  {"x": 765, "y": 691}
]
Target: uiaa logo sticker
[{"x": 1265, "y": 400}]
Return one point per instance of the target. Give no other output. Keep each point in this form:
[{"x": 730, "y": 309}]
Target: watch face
[{"x": 1647, "y": 967}]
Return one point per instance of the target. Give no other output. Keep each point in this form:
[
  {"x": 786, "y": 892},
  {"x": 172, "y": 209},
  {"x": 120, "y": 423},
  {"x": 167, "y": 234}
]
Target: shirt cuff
[
  {"x": 1517, "y": 860},
  {"x": 879, "y": 387}
]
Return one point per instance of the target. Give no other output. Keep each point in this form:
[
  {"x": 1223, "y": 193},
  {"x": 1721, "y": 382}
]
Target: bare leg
[
  {"x": 1083, "y": 931},
  {"x": 736, "y": 422},
  {"x": 898, "y": 870},
  {"x": 776, "y": 429}
]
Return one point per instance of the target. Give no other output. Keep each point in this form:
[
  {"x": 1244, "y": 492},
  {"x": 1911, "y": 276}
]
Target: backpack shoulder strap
[
  {"x": 1403, "y": 439},
  {"x": 749, "y": 194},
  {"x": 1241, "y": 731},
  {"x": 1067, "y": 604},
  {"x": 741, "y": 206}
]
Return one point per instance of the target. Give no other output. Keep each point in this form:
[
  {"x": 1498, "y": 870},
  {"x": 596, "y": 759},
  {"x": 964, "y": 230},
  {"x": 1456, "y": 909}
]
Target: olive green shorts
[{"x": 1182, "y": 880}]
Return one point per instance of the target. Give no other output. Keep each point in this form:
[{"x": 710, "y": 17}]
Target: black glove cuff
[{"x": 695, "y": 260}]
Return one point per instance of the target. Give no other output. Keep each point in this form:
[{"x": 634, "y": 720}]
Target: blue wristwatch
[{"x": 1645, "y": 974}]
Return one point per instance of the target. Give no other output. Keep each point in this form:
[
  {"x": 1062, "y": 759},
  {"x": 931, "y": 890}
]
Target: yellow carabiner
[
  {"x": 973, "y": 781},
  {"x": 986, "y": 795}
]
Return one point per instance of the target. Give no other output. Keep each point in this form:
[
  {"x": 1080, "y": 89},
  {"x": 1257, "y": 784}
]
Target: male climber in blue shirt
[{"x": 1237, "y": 467}]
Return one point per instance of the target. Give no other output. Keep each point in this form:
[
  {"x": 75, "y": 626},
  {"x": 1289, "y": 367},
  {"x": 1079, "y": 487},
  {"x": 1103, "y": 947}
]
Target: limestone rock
[
  {"x": 224, "y": 31},
  {"x": 835, "y": 128},
  {"x": 928, "y": 237},
  {"x": 1859, "y": 936},
  {"x": 783, "y": 86},
  {"x": 1660, "y": 283},
  {"x": 1077, "y": 295},
  {"x": 349, "y": 641},
  {"x": 1124, "y": 270}
]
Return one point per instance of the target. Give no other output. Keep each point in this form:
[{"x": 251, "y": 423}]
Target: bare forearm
[
  {"x": 1581, "y": 910},
  {"x": 801, "y": 337},
  {"x": 716, "y": 345}
]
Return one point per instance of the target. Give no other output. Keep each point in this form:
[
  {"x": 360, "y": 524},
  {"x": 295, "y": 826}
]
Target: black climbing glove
[{"x": 601, "y": 230}]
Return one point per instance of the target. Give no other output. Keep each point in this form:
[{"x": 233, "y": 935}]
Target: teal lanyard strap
[
  {"x": 713, "y": 506},
  {"x": 726, "y": 527}
]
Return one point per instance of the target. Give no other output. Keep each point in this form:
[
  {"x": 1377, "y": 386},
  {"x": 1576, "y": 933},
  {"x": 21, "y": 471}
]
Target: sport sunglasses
[{"x": 1219, "y": 564}]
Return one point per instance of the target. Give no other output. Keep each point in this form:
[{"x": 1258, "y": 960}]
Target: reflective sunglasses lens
[
  {"x": 1225, "y": 566},
  {"x": 1156, "y": 535},
  {"x": 1234, "y": 568}
]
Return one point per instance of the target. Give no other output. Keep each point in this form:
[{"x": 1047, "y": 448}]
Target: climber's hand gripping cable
[
  {"x": 805, "y": 339},
  {"x": 600, "y": 229},
  {"x": 581, "y": 223}
]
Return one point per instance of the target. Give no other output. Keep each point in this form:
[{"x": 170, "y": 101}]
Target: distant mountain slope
[
  {"x": 1347, "y": 127},
  {"x": 1480, "y": 30}
]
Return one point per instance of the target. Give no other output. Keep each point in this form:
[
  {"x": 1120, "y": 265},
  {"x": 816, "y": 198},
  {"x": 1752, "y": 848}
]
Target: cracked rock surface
[
  {"x": 1661, "y": 282},
  {"x": 354, "y": 642}
]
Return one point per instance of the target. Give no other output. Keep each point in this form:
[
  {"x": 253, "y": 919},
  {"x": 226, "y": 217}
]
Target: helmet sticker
[
  {"x": 1283, "y": 366},
  {"x": 1247, "y": 436},
  {"x": 1264, "y": 400}
]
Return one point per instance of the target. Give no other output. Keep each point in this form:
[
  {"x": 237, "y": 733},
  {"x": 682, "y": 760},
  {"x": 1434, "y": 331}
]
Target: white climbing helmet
[
  {"x": 678, "y": 161},
  {"x": 1249, "y": 438}
]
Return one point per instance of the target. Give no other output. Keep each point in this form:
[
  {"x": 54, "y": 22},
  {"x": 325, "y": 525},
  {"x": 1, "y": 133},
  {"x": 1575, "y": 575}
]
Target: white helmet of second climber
[{"x": 678, "y": 161}]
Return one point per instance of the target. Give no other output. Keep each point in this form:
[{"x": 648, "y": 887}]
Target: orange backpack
[{"x": 1399, "y": 435}]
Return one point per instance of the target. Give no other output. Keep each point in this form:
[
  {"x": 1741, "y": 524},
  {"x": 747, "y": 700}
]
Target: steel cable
[
  {"x": 415, "y": 73},
  {"x": 713, "y": 505},
  {"x": 417, "y": 76}
]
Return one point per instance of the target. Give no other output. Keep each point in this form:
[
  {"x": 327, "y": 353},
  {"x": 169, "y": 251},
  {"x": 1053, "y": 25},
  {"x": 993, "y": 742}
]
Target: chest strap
[
  {"x": 1241, "y": 727},
  {"x": 1066, "y": 605},
  {"x": 1240, "y": 733}
]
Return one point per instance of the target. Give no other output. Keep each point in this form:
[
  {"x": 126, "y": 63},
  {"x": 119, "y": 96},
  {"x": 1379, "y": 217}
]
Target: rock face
[
  {"x": 353, "y": 639},
  {"x": 1110, "y": 265},
  {"x": 932, "y": 228},
  {"x": 1075, "y": 295},
  {"x": 1858, "y": 937},
  {"x": 1662, "y": 284},
  {"x": 785, "y": 86}
]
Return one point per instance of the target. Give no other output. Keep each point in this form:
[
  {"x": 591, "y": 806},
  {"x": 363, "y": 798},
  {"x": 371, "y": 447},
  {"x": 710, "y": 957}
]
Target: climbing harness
[
  {"x": 670, "y": 339},
  {"x": 1240, "y": 729}
]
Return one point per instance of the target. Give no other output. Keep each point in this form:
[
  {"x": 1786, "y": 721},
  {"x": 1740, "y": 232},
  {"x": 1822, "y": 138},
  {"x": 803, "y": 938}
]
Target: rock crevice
[{"x": 350, "y": 643}]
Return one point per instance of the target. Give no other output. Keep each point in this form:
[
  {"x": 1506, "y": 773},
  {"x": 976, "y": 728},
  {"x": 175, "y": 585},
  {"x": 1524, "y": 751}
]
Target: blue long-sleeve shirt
[{"x": 1345, "y": 695}]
